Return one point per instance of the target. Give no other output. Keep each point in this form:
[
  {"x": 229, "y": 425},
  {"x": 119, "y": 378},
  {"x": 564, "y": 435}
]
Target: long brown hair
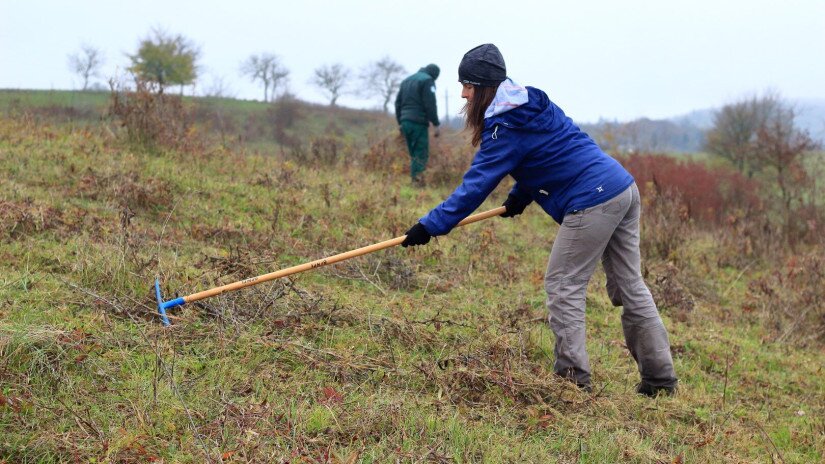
[{"x": 474, "y": 111}]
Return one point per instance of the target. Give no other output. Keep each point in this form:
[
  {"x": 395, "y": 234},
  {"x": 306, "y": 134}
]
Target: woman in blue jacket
[{"x": 523, "y": 134}]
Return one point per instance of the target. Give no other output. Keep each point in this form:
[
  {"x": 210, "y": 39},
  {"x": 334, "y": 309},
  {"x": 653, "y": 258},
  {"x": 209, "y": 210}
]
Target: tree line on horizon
[
  {"x": 755, "y": 135},
  {"x": 166, "y": 60}
]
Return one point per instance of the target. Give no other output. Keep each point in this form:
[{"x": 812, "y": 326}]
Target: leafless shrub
[
  {"x": 325, "y": 150},
  {"x": 153, "y": 119},
  {"x": 282, "y": 116},
  {"x": 669, "y": 291},
  {"x": 665, "y": 223}
]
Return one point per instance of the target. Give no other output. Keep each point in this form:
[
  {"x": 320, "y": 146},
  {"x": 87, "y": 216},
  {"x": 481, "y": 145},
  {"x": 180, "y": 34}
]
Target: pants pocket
[{"x": 619, "y": 203}]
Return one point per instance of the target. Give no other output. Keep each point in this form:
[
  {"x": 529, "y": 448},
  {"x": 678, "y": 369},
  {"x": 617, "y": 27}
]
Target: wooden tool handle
[{"x": 326, "y": 261}]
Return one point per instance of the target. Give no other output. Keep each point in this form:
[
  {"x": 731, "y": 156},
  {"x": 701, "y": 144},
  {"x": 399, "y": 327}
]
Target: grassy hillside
[
  {"x": 280, "y": 125},
  {"x": 438, "y": 354}
]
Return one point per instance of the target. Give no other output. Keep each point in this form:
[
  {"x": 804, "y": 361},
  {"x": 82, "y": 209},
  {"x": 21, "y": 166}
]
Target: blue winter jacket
[{"x": 553, "y": 162}]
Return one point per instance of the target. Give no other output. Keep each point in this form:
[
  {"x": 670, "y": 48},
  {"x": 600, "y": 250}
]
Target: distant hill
[
  {"x": 686, "y": 133},
  {"x": 810, "y": 116}
]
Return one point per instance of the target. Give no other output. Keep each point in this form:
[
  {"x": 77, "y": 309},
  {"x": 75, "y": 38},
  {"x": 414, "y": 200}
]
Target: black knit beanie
[{"x": 482, "y": 66}]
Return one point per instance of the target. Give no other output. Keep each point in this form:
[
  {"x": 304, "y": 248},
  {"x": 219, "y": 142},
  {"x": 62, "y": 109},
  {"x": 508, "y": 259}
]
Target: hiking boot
[
  {"x": 418, "y": 182},
  {"x": 652, "y": 391}
]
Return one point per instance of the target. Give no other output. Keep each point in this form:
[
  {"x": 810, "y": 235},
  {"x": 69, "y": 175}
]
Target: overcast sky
[{"x": 596, "y": 59}]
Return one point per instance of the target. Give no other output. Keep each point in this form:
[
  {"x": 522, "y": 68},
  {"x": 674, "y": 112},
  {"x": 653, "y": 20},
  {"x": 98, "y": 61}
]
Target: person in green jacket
[{"x": 415, "y": 109}]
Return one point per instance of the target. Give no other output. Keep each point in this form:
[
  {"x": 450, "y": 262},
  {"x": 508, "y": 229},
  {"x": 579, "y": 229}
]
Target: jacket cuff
[{"x": 431, "y": 228}]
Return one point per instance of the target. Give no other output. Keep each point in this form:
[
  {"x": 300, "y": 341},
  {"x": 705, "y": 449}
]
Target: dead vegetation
[
  {"x": 152, "y": 119},
  {"x": 791, "y": 299},
  {"x": 671, "y": 295},
  {"x": 496, "y": 375},
  {"x": 381, "y": 271},
  {"x": 21, "y": 218},
  {"x": 125, "y": 189}
]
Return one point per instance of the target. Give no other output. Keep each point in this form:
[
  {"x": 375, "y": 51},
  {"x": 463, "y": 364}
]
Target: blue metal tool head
[{"x": 164, "y": 305}]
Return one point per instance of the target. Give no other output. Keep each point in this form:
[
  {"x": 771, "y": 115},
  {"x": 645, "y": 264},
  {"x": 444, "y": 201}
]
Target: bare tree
[
  {"x": 735, "y": 128},
  {"x": 382, "y": 78},
  {"x": 332, "y": 80},
  {"x": 266, "y": 68},
  {"x": 87, "y": 63},
  {"x": 759, "y": 135},
  {"x": 780, "y": 148}
]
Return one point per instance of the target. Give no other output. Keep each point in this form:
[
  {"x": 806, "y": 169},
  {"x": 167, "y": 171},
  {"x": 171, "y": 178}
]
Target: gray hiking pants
[{"x": 610, "y": 232}]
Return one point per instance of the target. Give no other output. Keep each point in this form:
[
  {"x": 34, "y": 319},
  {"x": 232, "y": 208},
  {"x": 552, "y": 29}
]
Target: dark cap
[{"x": 482, "y": 66}]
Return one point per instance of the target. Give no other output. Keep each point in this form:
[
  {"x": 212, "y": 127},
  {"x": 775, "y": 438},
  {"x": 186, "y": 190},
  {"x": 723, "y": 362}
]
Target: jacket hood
[
  {"x": 509, "y": 95},
  {"x": 431, "y": 69},
  {"x": 534, "y": 110}
]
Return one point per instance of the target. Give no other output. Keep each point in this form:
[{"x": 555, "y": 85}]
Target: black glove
[
  {"x": 417, "y": 235},
  {"x": 514, "y": 205}
]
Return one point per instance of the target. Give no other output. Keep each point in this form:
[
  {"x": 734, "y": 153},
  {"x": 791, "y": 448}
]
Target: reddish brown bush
[
  {"x": 665, "y": 223},
  {"x": 709, "y": 194}
]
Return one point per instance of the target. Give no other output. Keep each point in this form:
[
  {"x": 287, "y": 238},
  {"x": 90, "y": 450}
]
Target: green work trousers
[{"x": 418, "y": 144}]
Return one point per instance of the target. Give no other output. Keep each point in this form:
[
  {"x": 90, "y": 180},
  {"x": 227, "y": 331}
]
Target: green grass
[
  {"x": 437, "y": 354},
  {"x": 47, "y": 98}
]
